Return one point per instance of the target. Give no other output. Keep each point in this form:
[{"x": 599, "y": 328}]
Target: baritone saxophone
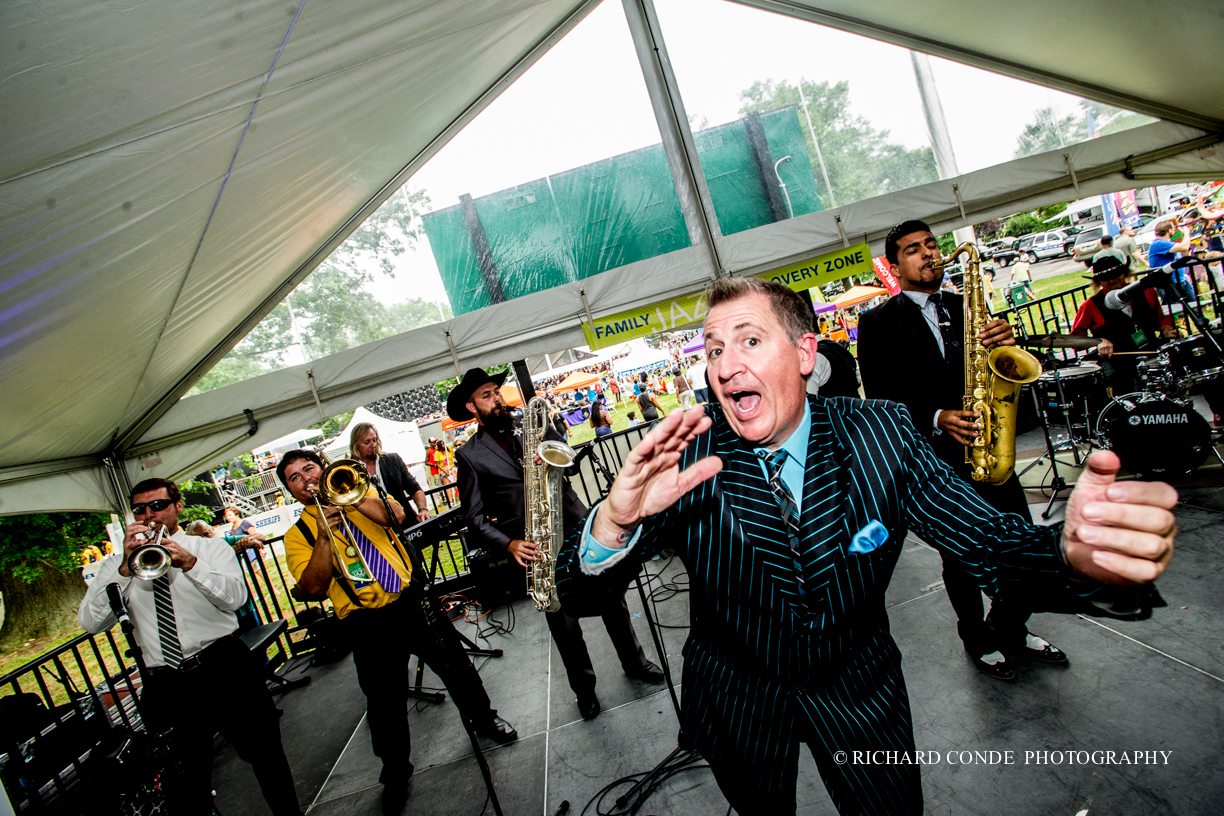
[
  {"x": 543, "y": 488},
  {"x": 992, "y": 380}
]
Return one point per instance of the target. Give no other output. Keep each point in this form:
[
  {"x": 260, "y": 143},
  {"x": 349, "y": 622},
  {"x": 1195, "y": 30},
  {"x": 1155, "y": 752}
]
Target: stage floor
[{"x": 1147, "y": 686}]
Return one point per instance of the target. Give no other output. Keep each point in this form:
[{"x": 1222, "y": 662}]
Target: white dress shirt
[{"x": 204, "y": 598}]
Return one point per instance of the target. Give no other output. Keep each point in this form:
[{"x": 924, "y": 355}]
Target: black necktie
[{"x": 952, "y": 343}]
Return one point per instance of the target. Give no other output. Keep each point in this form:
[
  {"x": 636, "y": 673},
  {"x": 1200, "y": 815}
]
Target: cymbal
[{"x": 1052, "y": 341}]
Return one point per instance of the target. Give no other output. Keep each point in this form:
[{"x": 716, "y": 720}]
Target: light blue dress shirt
[{"x": 594, "y": 557}]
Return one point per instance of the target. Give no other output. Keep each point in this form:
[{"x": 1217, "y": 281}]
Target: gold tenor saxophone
[
  {"x": 992, "y": 380},
  {"x": 542, "y": 490}
]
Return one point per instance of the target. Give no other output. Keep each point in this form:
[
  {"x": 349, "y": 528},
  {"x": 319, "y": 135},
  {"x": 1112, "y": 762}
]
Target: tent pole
[{"x": 678, "y": 141}]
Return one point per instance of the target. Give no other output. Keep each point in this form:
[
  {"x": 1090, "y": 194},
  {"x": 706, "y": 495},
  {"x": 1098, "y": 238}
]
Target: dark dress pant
[
  {"x": 384, "y": 640},
  {"x": 864, "y": 708},
  {"x": 1005, "y": 626},
  {"x": 226, "y": 693},
  {"x": 567, "y": 634}
]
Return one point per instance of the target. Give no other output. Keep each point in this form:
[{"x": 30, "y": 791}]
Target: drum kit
[{"x": 1155, "y": 431}]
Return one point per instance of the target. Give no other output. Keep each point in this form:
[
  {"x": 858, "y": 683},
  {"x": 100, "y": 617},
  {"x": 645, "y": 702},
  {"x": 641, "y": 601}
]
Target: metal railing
[
  {"x": 1056, "y": 313},
  {"x": 88, "y": 677}
]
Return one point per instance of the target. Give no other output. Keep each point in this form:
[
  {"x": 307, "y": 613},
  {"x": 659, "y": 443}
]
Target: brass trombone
[{"x": 343, "y": 483}]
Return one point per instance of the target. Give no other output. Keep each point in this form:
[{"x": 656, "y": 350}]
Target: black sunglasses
[{"x": 157, "y": 505}]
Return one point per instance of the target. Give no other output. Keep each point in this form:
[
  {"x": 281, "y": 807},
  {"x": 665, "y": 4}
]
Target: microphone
[
  {"x": 115, "y": 598},
  {"x": 1119, "y": 298}
]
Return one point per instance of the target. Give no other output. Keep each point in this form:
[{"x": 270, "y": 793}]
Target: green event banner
[{"x": 669, "y": 315}]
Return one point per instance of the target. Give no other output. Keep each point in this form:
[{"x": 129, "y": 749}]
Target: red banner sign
[{"x": 884, "y": 273}]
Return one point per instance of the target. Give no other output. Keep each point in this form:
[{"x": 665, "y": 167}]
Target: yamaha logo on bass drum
[{"x": 1159, "y": 419}]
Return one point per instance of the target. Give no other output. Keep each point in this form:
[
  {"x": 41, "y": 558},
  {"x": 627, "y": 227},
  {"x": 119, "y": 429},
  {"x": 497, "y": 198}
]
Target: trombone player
[
  {"x": 185, "y": 624},
  {"x": 351, "y": 555}
]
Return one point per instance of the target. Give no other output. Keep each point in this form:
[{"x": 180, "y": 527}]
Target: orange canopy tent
[
  {"x": 857, "y": 295},
  {"x": 576, "y": 379},
  {"x": 510, "y": 394}
]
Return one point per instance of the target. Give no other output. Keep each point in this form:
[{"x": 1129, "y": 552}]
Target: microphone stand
[
  {"x": 419, "y": 583},
  {"x": 679, "y": 758},
  {"x": 1195, "y": 312},
  {"x": 158, "y": 746}
]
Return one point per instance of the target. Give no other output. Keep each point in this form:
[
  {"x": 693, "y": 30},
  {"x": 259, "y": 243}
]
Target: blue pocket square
[{"x": 869, "y": 538}]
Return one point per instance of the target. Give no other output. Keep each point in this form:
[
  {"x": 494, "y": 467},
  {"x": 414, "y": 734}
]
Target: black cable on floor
[{"x": 684, "y": 761}]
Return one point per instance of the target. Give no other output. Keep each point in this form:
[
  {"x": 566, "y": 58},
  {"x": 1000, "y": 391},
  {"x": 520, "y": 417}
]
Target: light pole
[{"x": 816, "y": 143}]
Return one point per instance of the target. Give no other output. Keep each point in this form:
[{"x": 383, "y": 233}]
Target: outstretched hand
[
  {"x": 651, "y": 480},
  {"x": 1118, "y": 532}
]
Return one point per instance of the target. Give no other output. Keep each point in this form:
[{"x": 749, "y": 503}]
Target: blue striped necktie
[
  {"x": 790, "y": 512},
  {"x": 167, "y": 631},
  {"x": 383, "y": 572}
]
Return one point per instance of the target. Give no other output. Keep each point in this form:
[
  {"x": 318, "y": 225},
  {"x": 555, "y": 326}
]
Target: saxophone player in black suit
[
  {"x": 490, "y": 474},
  {"x": 910, "y": 350},
  {"x": 789, "y": 512}
]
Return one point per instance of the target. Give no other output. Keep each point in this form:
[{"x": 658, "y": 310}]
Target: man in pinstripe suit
[{"x": 789, "y": 556}]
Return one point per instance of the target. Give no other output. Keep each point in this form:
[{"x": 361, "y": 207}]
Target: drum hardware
[
  {"x": 1067, "y": 390},
  {"x": 1059, "y": 341}
]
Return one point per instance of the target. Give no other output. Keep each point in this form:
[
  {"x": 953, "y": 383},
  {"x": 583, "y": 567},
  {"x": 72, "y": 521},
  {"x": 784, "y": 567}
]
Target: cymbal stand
[{"x": 679, "y": 758}]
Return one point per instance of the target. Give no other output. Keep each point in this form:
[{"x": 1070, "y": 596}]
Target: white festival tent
[
  {"x": 169, "y": 175},
  {"x": 641, "y": 358},
  {"x": 403, "y": 438},
  {"x": 291, "y": 440}
]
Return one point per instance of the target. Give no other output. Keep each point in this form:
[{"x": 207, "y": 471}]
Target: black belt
[{"x": 189, "y": 664}]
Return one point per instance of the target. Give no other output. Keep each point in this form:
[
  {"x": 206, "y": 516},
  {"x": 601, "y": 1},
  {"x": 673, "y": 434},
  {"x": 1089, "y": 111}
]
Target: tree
[
  {"x": 332, "y": 307},
  {"x": 861, "y": 161},
  {"x": 1049, "y": 132},
  {"x": 40, "y": 572},
  {"x": 333, "y": 425}
]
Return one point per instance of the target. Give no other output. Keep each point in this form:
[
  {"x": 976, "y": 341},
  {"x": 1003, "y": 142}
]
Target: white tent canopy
[
  {"x": 167, "y": 178},
  {"x": 642, "y": 357},
  {"x": 403, "y": 438},
  {"x": 290, "y": 440}
]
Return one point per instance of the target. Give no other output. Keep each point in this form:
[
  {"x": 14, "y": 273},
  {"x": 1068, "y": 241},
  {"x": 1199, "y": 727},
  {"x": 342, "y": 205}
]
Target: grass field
[{"x": 620, "y": 417}]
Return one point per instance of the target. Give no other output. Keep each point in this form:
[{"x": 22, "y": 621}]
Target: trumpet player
[
  {"x": 491, "y": 489},
  {"x": 911, "y": 351},
  {"x": 353, "y": 557},
  {"x": 185, "y": 625}
]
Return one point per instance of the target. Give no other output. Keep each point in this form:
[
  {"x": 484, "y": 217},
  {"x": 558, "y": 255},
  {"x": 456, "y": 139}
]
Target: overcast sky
[{"x": 585, "y": 100}]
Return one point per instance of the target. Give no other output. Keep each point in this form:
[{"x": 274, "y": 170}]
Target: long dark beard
[{"x": 499, "y": 420}]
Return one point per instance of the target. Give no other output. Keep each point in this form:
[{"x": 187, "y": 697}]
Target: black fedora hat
[
  {"x": 456, "y": 403},
  {"x": 1108, "y": 267}
]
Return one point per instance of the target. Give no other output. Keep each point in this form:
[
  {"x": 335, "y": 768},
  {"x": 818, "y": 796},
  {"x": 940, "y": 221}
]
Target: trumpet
[
  {"x": 343, "y": 483},
  {"x": 150, "y": 560}
]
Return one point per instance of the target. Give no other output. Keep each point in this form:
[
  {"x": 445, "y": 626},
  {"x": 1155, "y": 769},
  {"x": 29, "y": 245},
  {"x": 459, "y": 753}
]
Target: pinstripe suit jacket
[{"x": 754, "y": 651}]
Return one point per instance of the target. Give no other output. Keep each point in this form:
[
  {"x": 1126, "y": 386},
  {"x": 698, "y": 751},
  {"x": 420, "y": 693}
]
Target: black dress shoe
[
  {"x": 588, "y": 705},
  {"x": 1046, "y": 654},
  {"x": 499, "y": 730},
  {"x": 1001, "y": 670},
  {"x": 394, "y": 798},
  {"x": 647, "y": 673}
]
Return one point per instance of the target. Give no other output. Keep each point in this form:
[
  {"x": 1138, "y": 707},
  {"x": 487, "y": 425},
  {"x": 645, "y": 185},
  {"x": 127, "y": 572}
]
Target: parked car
[
  {"x": 1087, "y": 244},
  {"x": 1072, "y": 234},
  {"x": 1001, "y": 252},
  {"x": 1042, "y": 245}
]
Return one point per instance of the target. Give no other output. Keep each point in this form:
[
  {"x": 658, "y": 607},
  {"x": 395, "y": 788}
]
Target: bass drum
[{"x": 1154, "y": 436}]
